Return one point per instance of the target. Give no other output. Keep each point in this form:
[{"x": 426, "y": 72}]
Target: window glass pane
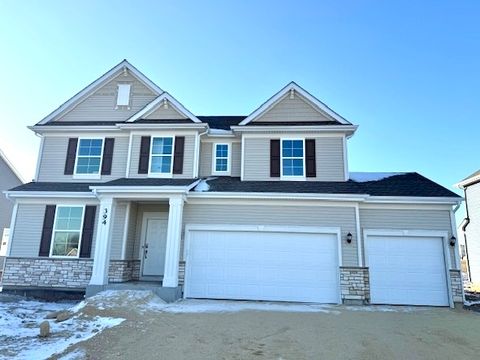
[
  {"x": 162, "y": 146},
  {"x": 221, "y": 165},
  {"x": 89, "y": 156},
  {"x": 222, "y": 151},
  {"x": 65, "y": 243},
  {"x": 161, "y": 164},
  {"x": 292, "y": 167}
]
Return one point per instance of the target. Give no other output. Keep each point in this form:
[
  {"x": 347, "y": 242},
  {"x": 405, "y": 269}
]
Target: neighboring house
[
  {"x": 133, "y": 186},
  {"x": 470, "y": 226},
  {"x": 9, "y": 177}
]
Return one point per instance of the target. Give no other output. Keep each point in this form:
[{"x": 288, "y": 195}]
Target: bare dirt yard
[
  {"x": 248, "y": 330},
  {"x": 138, "y": 325}
]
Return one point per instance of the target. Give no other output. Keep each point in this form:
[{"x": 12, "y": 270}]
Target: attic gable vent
[{"x": 123, "y": 95}]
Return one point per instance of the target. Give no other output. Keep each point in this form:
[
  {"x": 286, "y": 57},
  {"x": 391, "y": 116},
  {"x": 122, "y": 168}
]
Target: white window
[
  {"x": 293, "y": 158},
  {"x": 89, "y": 157},
  {"x": 161, "y": 156},
  {"x": 123, "y": 95},
  {"x": 221, "y": 159},
  {"x": 67, "y": 231}
]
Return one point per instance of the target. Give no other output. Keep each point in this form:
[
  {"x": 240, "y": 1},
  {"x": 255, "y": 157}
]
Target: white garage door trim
[
  {"x": 189, "y": 228},
  {"x": 416, "y": 233}
]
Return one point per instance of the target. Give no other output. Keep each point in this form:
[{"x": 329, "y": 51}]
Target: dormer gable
[
  {"x": 294, "y": 105},
  {"x": 164, "y": 107}
]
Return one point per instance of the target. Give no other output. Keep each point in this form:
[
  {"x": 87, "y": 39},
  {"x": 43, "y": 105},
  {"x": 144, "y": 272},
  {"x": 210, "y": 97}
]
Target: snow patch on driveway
[{"x": 19, "y": 328}]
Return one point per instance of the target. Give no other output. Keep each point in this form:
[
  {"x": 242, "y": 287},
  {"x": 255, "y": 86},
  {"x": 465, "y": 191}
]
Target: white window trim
[
  {"x": 79, "y": 236},
  {"x": 89, "y": 176},
  {"x": 214, "y": 159},
  {"x": 161, "y": 175},
  {"x": 292, "y": 177}
]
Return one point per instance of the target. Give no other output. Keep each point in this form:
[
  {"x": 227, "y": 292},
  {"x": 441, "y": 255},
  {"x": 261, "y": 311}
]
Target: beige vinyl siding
[
  {"x": 27, "y": 234},
  {"x": 8, "y": 180},
  {"x": 296, "y": 109},
  {"x": 118, "y": 229},
  {"x": 162, "y": 113},
  {"x": 329, "y": 156},
  {"x": 188, "y": 157},
  {"x": 206, "y": 159},
  {"x": 132, "y": 231},
  {"x": 52, "y": 159},
  {"x": 236, "y": 159},
  {"x": 100, "y": 106},
  {"x": 323, "y": 216},
  {"x": 407, "y": 219},
  {"x": 473, "y": 231}
]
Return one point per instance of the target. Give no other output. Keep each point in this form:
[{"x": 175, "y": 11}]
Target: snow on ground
[
  {"x": 372, "y": 176},
  {"x": 143, "y": 301},
  {"x": 19, "y": 328}
]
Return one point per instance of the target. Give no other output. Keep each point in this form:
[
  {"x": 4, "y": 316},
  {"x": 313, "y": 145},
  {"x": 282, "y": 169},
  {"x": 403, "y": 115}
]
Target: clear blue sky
[{"x": 408, "y": 75}]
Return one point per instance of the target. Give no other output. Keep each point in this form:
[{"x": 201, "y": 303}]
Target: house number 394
[{"x": 105, "y": 216}]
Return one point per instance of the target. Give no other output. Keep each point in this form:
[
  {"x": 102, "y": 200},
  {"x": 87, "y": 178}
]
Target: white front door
[
  {"x": 406, "y": 270},
  {"x": 154, "y": 232},
  {"x": 262, "y": 265}
]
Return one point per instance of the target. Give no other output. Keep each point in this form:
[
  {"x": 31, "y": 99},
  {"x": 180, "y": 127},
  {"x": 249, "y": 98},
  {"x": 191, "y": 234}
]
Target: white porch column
[
  {"x": 101, "y": 260},
  {"x": 174, "y": 234}
]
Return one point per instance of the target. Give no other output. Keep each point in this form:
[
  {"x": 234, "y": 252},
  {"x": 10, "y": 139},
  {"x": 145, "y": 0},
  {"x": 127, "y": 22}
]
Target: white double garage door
[{"x": 302, "y": 264}]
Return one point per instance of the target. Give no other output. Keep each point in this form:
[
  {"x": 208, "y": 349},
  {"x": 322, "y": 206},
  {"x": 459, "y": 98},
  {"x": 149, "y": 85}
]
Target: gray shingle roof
[{"x": 408, "y": 184}]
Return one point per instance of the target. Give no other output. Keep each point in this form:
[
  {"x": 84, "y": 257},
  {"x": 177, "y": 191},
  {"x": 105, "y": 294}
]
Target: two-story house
[{"x": 132, "y": 186}]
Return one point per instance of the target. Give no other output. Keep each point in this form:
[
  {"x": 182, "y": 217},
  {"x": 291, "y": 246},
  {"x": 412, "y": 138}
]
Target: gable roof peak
[
  {"x": 92, "y": 87},
  {"x": 292, "y": 85}
]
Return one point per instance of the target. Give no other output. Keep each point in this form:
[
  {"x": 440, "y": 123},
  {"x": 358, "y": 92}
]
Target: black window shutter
[
  {"x": 178, "y": 154},
  {"x": 144, "y": 155},
  {"x": 71, "y": 155},
  {"x": 47, "y": 230},
  {"x": 107, "y": 156},
  {"x": 311, "y": 164},
  {"x": 87, "y": 232},
  {"x": 274, "y": 158}
]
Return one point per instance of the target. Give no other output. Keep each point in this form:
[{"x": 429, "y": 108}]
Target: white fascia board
[
  {"x": 66, "y": 128},
  {"x": 467, "y": 182},
  {"x": 157, "y": 102},
  {"x": 12, "y": 167},
  {"x": 413, "y": 200},
  {"x": 145, "y": 189},
  {"x": 268, "y": 195},
  {"x": 348, "y": 129},
  {"x": 150, "y": 126},
  {"x": 109, "y": 75},
  {"x": 47, "y": 194},
  {"x": 283, "y": 92}
]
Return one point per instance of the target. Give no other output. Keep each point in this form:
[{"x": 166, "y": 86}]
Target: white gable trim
[
  {"x": 317, "y": 104},
  {"x": 157, "y": 103},
  {"x": 12, "y": 168},
  {"x": 75, "y": 100}
]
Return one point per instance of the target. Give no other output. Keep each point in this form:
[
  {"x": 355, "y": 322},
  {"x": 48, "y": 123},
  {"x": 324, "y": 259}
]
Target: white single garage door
[
  {"x": 406, "y": 270},
  {"x": 262, "y": 265}
]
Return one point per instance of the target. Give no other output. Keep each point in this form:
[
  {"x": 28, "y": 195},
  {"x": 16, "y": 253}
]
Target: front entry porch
[{"x": 137, "y": 245}]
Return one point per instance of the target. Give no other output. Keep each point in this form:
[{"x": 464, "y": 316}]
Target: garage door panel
[
  {"x": 406, "y": 270},
  {"x": 271, "y": 266}
]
